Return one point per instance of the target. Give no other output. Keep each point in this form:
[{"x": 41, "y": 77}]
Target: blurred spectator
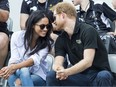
[
  {"x": 28, "y": 6},
  {"x": 4, "y": 40},
  {"x": 98, "y": 16}
]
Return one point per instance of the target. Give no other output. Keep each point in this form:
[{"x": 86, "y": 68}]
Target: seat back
[
  {"x": 112, "y": 24},
  {"x": 112, "y": 62},
  {"x": 10, "y": 26},
  {"x": 49, "y": 61}
]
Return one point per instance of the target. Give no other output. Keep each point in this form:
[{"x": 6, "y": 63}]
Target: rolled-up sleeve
[{"x": 38, "y": 56}]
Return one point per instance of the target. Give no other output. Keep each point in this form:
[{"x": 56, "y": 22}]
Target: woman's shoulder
[
  {"x": 18, "y": 34},
  {"x": 18, "y": 37},
  {"x": 21, "y": 32}
]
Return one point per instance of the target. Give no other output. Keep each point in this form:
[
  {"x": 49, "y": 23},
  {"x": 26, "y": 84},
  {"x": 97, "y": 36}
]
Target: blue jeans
[
  {"x": 38, "y": 81},
  {"x": 90, "y": 78},
  {"x": 100, "y": 78},
  {"x": 73, "y": 80},
  {"x": 26, "y": 78}
]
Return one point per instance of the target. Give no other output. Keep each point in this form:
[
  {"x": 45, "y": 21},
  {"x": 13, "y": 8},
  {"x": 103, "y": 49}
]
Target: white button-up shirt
[{"x": 18, "y": 50}]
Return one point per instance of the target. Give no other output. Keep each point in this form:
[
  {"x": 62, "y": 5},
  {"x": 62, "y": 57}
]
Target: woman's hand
[{"x": 7, "y": 71}]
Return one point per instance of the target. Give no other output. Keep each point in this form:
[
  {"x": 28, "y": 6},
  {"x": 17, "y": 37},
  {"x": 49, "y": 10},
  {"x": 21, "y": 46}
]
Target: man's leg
[
  {"x": 51, "y": 79},
  {"x": 38, "y": 81},
  {"x": 103, "y": 78},
  {"x": 4, "y": 41},
  {"x": 76, "y": 80},
  {"x": 73, "y": 80}
]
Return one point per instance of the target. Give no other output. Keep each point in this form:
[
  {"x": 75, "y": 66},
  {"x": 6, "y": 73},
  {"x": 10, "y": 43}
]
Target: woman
[{"x": 29, "y": 49}]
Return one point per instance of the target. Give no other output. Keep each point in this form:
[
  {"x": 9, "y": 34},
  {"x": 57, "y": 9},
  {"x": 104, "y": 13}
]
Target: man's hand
[
  {"x": 62, "y": 74},
  {"x": 57, "y": 67}
]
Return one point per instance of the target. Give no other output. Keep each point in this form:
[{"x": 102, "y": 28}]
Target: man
[
  {"x": 4, "y": 40},
  {"x": 85, "y": 50},
  {"x": 98, "y": 16}
]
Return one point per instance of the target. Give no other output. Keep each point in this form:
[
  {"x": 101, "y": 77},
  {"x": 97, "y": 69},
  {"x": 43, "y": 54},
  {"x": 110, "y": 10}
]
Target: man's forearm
[{"x": 58, "y": 63}]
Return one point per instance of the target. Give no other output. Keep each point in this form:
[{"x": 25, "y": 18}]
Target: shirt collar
[{"x": 76, "y": 28}]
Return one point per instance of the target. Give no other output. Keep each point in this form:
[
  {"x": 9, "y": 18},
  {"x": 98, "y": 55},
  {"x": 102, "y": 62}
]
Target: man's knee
[
  {"x": 104, "y": 78},
  {"x": 51, "y": 74},
  {"x": 105, "y": 75}
]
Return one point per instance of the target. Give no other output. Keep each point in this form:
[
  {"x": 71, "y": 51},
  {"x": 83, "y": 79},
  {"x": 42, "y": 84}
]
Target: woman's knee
[{"x": 24, "y": 71}]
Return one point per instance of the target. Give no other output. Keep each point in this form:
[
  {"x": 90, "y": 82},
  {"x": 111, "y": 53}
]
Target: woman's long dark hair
[{"x": 41, "y": 42}]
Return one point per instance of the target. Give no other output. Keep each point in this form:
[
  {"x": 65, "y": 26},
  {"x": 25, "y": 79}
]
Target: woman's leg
[
  {"x": 38, "y": 81},
  {"x": 25, "y": 77},
  {"x": 12, "y": 79}
]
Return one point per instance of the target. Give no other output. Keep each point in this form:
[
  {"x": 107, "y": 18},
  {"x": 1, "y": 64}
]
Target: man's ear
[{"x": 63, "y": 15}]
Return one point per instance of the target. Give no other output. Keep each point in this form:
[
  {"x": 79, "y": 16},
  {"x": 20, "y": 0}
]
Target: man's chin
[{"x": 57, "y": 30}]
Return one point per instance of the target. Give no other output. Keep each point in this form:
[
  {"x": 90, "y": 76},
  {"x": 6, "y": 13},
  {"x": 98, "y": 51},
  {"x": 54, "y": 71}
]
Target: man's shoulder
[
  {"x": 85, "y": 25},
  {"x": 61, "y": 36}
]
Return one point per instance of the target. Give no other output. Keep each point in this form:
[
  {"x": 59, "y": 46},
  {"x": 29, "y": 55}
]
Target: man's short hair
[{"x": 66, "y": 8}]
